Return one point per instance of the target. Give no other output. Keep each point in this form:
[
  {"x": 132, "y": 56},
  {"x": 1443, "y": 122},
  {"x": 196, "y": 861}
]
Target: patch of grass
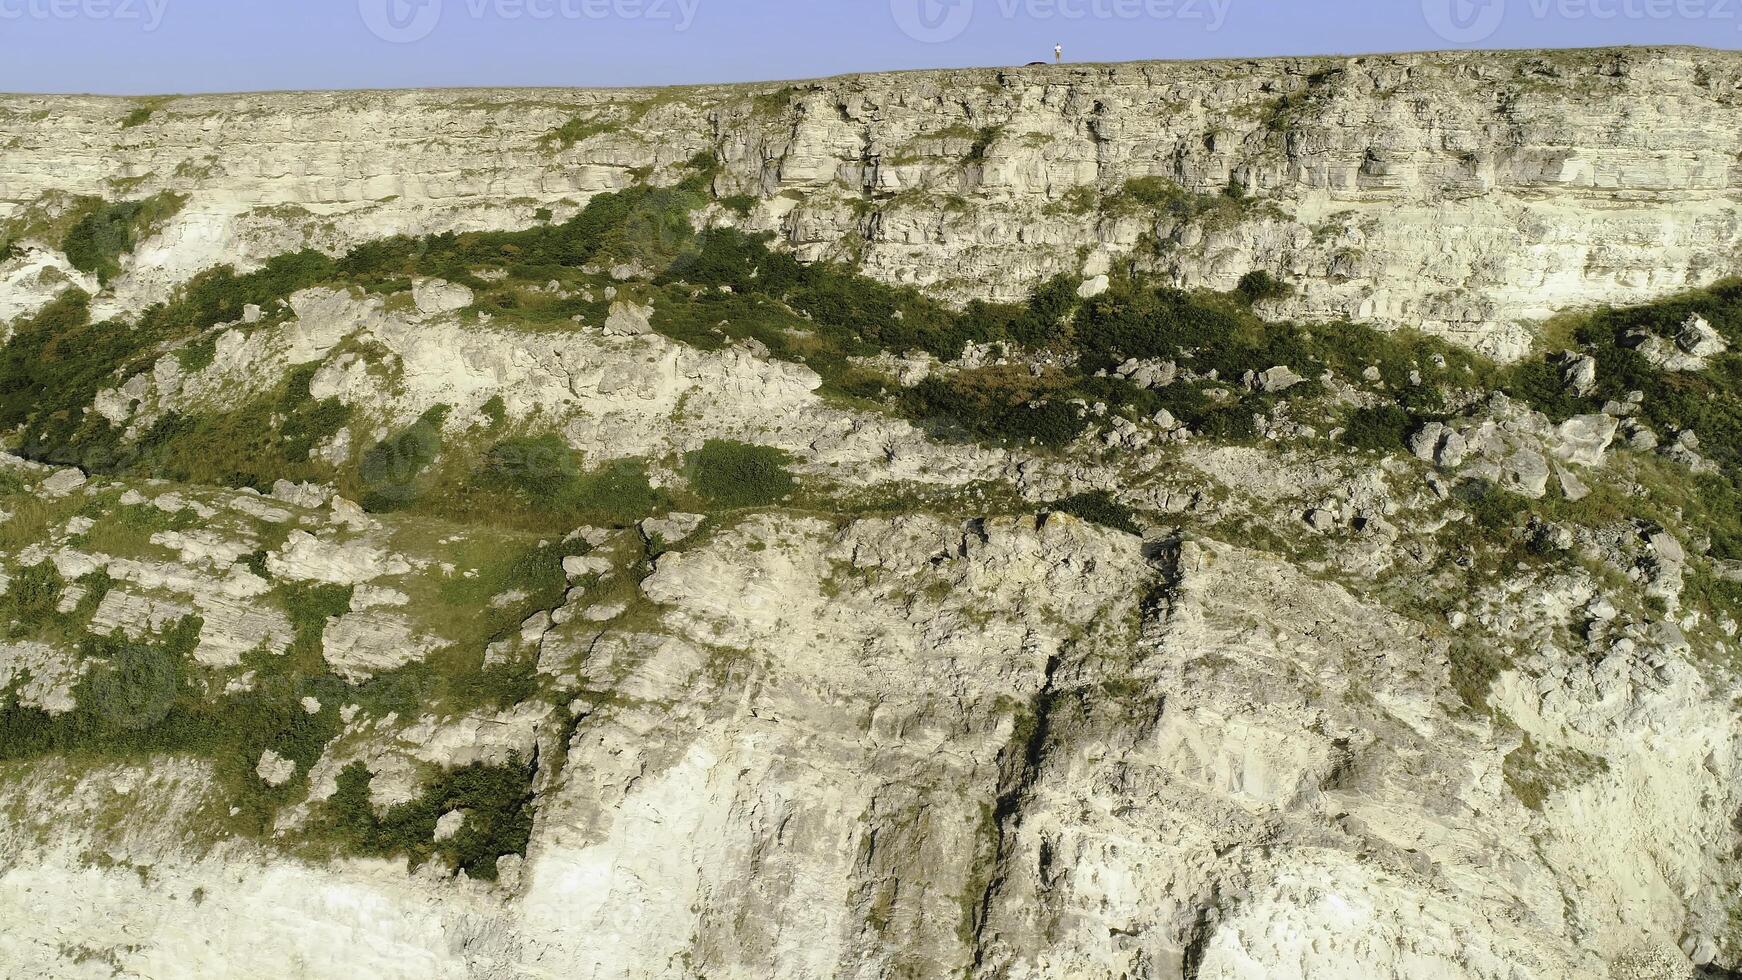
[
  {"x": 1002, "y": 404},
  {"x": 496, "y": 411},
  {"x": 1533, "y": 773},
  {"x": 390, "y": 470},
  {"x": 1100, "y": 507},
  {"x": 108, "y": 231},
  {"x": 735, "y": 474},
  {"x": 57, "y": 361},
  {"x": 265, "y": 440},
  {"x": 739, "y": 204},
  {"x": 1379, "y": 429},
  {"x": 577, "y": 130},
  {"x": 198, "y": 354},
  {"x": 142, "y": 113},
  {"x": 497, "y": 802},
  {"x": 544, "y": 475},
  {"x": 310, "y": 607},
  {"x": 125, "y": 532},
  {"x": 1475, "y": 666},
  {"x": 29, "y": 602}
]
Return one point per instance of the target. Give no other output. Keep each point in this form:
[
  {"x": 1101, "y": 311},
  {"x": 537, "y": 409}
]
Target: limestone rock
[
  {"x": 672, "y": 528},
  {"x": 1697, "y": 339},
  {"x": 62, "y": 482},
  {"x": 274, "y": 770},
  {"x": 628, "y": 319},
  {"x": 1276, "y": 379},
  {"x": 1580, "y": 372},
  {"x": 437, "y": 296},
  {"x": 362, "y": 644},
  {"x": 448, "y": 826}
]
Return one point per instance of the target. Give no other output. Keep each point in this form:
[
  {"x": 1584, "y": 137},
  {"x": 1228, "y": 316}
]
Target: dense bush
[
  {"x": 1379, "y": 429},
  {"x": 544, "y": 473},
  {"x": 496, "y": 801},
  {"x": 737, "y": 474},
  {"x": 30, "y": 599},
  {"x": 106, "y": 232},
  {"x": 1100, "y": 507},
  {"x": 265, "y": 440},
  {"x": 390, "y": 469},
  {"x": 1134, "y": 322},
  {"x": 1259, "y": 285},
  {"x": 1006, "y": 404}
]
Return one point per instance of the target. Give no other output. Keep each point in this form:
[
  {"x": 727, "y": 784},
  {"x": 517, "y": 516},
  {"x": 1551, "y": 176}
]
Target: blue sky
[{"x": 177, "y": 46}]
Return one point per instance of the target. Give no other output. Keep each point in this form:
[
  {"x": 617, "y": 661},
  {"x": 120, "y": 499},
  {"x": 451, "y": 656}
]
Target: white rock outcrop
[{"x": 1517, "y": 191}]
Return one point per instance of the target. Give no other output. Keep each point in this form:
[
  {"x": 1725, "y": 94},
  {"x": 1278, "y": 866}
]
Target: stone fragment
[
  {"x": 671, "y": 528},
  {"x": 449, "y": 825},
  {"x": 1583, "y": 439},
  {"x": 436, "y": 296},
  {"x": 274, "y": 770},
  {"x": 628, "y": 319},
  {"x": 62, "y": 482},
  {"x": 1580, "y": 373}
]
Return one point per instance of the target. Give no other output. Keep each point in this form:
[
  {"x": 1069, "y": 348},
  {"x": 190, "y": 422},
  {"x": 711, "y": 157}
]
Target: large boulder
[
  {"x": 629, "y": 319},
  {"x": 435, "y": 296}
]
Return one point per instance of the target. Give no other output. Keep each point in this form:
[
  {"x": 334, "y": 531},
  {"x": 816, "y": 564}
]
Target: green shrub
[
  {"x": 198, "y": 354},
  {"x": 140, "y": 115},
  {"x": 310, "y": 606},
  {"x": 540, "y": 469},
  {"x": 99, "y": 239},
  {"x": 1259, "y": 285},
  {"x": 574, "y": 131},
  {"x": 737, "y": 474},
  {"x": 29, "y": 601},
  {"x": 1100, "y": 507},
  {"x": 1379, "y": 429},
  {"x": 390, "y": 469},
  {"x": 497, "y": 801},
  {"x": 496, "y": 410},
  {"x": 1007, "y": 404},
  {"x": 739, "y": 204},
  {"x": 543, "y": 474}
]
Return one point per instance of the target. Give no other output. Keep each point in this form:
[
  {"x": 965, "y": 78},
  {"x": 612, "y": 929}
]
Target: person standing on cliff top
[{"x": 1058, "y": 53}]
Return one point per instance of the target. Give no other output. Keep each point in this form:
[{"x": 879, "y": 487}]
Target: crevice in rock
[
  {"x": 1018, "y": 764},
  {"x": 1197, "y": 941}
]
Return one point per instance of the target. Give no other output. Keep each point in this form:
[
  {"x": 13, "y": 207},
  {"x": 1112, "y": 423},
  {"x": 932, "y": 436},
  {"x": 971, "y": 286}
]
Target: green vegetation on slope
[
  {"x": 734, "y": 474},
  {"x": 471, "y": 490},
  {"x": 495, "y": 801},
  {"x": 106, "y": 232}
]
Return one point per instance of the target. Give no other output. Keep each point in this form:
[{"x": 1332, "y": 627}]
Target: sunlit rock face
[
  {"x": 615, "y": 645},
  {"x": 1467, "y": 194}
]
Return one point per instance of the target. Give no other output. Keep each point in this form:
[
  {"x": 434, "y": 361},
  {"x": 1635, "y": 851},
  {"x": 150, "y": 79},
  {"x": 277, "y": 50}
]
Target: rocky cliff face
[
  {"x": 1469, "y": 195},
  {"x": 575, "y": 587}
]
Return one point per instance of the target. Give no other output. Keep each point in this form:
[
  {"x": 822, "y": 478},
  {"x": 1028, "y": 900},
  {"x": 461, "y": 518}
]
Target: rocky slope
[
  {"x": 1469, "y": 194},
  {"x": 598, "y": 592}
]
